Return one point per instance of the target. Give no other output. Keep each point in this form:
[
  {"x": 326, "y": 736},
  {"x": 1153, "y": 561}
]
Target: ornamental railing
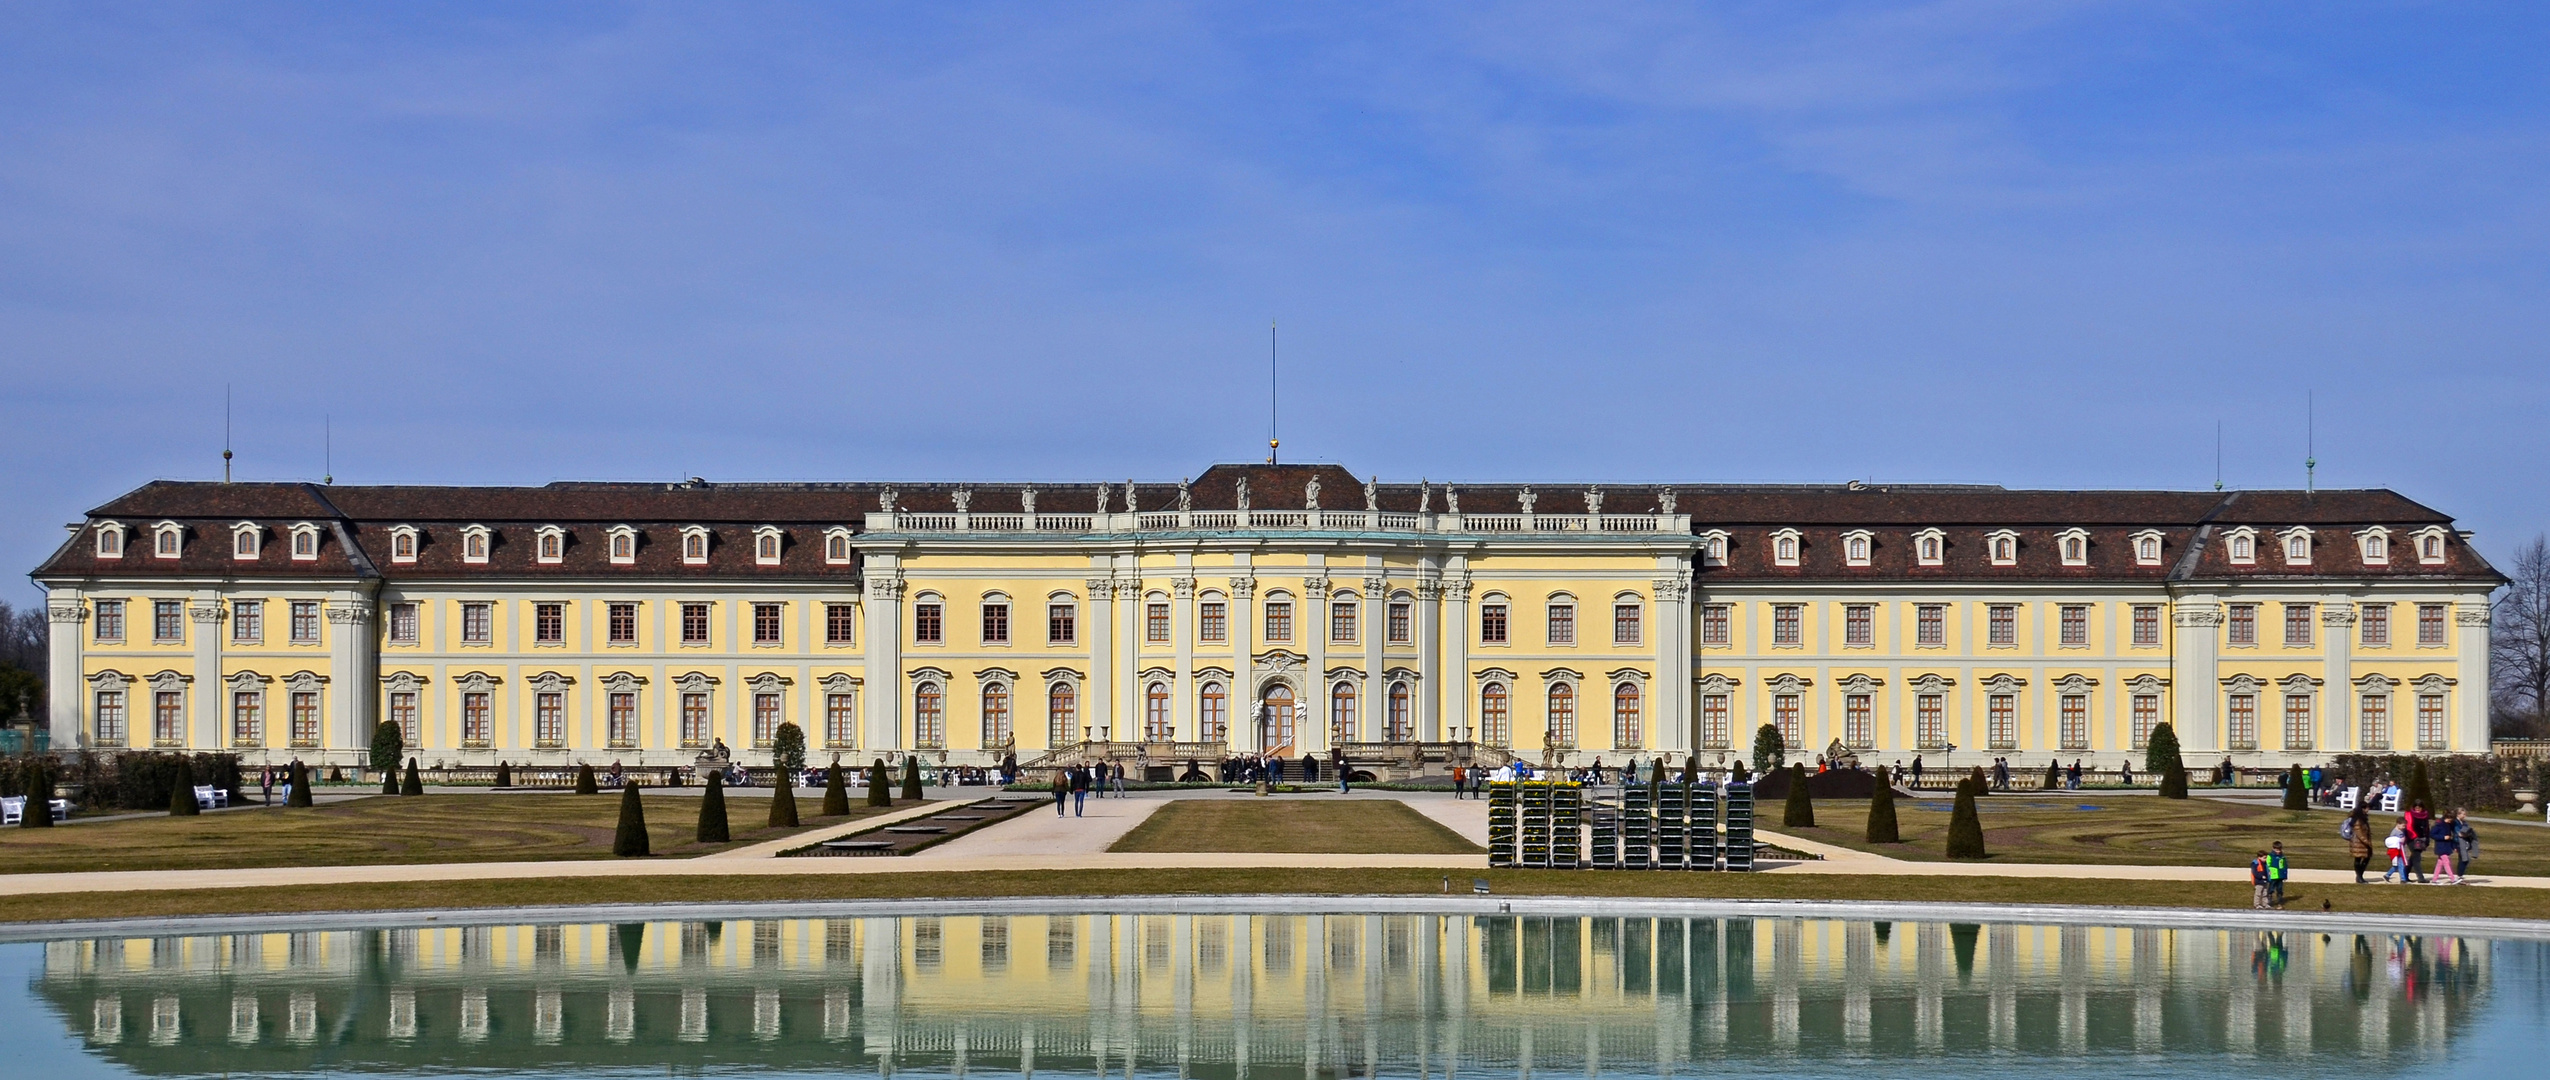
[{"x": 1305, "y": 520}]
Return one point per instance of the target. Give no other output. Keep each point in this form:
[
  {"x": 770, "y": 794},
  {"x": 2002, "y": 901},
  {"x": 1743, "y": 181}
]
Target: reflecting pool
[{"x": 1307, "y": 995}]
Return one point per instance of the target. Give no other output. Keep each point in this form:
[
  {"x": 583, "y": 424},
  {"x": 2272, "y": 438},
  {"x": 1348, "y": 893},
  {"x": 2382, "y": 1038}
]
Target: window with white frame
[
  {"x": 929, "y": 621},
  {"x": 2001, "y": 721},
  {"x": 549, "y": 719},
  {"x": 1279, "y": 618},
  {"x": 2147, "y": 625},
  {"x": 1492, "y": 622},
  {"x": 2002, "y": 547},
  {"x": 305, "y": 542},
  {"x": 2373, "y": 719},
  {"x": 1399, "y": 723},
  {"x": 2430, "y": 624},
  {"x": 768, "y": 713},
  {"x": 2430, "y": 546},
  {"x": 1341, "y": 712},
  {"x": 1859, "y": 624},
  {"x": 247, "y": 621},
  {"x": 1716, "y": 624},
  {"x": 621, "y": 542},
  {"x": 2074, "y": 713},
  {"x": 768, "y": 619},
  {"x": 2074, "y": 547},
  {"x": 1855, "y": 547},
  {"x": 475, "y": 541},
  {"x": 2147, "y": 548},
  {"x": 1859, "y": 726},
  {"x": 1627, "y": 727},
  {"x": 766, "y": 545},
  {"x": 110, "y": 541},
  {"x": 1930, "y": 721},
  {"x": 2373, "y": 625},
  {"x": 929, "y": 716},
  {"x": 836, "y": 546},
  {"x": 1062, "y": 713},
  {"x": 2431, "y": 730},
  {"x": 694, "y": 545},
  {"x": 549, "y": 544},
  {"x": 2075, "y": 621},
  {"x": 2297, "y": 625},
  {"x": 168, "y": 621},
  {"x": 247, "y": 718},
  {"x": 1713, "y": 548},
  {"x": 1562, "y": 620},
  {"x": 1930, "y": 547},
  {"x": 2297, "y": 547},
  {"x": 1715, "y": 724},
  {"x": 996, "y": 620},
  {"x": 245, "y": 541},
  {"x": 1342, "y": 618},
  {"x": 1787, "y": 624},
  {"x": 1496, "y": 715},
  {"x": 2241, "y": 546},
  {"x": 2297, "y": 720},
  {"x": 110, "y": 621},
  {"x": 2146, "y": 717},
  {"x": 996, "y": 722},
  {"x": 549, "y": 623},
  {"x": 621, "y": 722},
  {"x": 840, "y": 624},
  {"x": 840, "y": 720},
  {"x": 305, "y": 718},
  {"x": 695, "y": 718},
  {"x": 1562, "y": 716},
  {"x": 1155, "y": 621},
  {"x": 1062, "y": 621},
  {"x": 620, "y": 623},
  {"x": 168, "y": 540},
  {"x": 1627, "y": 616},
  {"x": 168, "y": 718},
  {"x": 1784, "y": 547},
  {"x": 2374, "y": 544},
  {"x": 305, "y": 622},
  {"x": 1401, "y": 620},
  {"x": 1212, "y": 712},
  {"x": 1930, "y": 624},
  {"x": 2241, "y": 721},
  {"x": 1158, "y": 724},
  {"x": 403, "y": 542},
  {"x": 695, "y": 623},
  {"x": 403, "y": 628},
  {"x": 1784, "y": 719},
  {"x": 477, "y": 624},
  {"x": 2001, "y": 624},
  {"x": 2240, "y": 624},
  {"x": 403, "y": 717}
]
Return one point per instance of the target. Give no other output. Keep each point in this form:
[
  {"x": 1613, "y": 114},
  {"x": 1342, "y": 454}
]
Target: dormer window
[
  {"x": 474, "y": 542},
  {"x": 246, "y": 540},
  {"x": 1784, "y": 545},
  {"x": 1713, "y": 548},
  {"x": 305, "y": 542},
  {"x": 110, "y": 540},
  {"x": 168, "y": 538},
  {"x": 1930, "y": 547},
  {"x": 694, "y": 545},
  {"x": 403, "y": 544},
  {"x": 766, "y": 543},
  {"x": 622, "y": 541},
  {"x": 2147, "y": 548},
  {"x": 1855, "y": 545},
  {"x": 2074, "y": 546},
  {"x": 2375, "y": 545},
  {"x": 549, "y": 544},
  {"x": 836, "y": 546},
  {"x": 2003, "y": 546},
  {"x": 2430, "y": 546},
  {"x": 2297, "y": 546},
  {"x": 2241, "y": 546}
]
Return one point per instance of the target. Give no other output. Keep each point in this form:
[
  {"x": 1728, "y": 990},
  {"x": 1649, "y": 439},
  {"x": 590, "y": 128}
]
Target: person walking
[
  {"x": 1079, "y": 790},
  {"x": 2397, "y": 845},
  {"x": 2447, "y": 837},
  {"x": 2469, "y": 838},
  {"x": 2419, "y": 820},
  {"x": 2258, "y": 880},
  {"x": 1460, "y": 776},
  {"x": 1062, "y": 789},
  {"x": 2277, "y": 870},
  {"x": 2358, "y": 831},
  {"x": 1916, "y": 770}
]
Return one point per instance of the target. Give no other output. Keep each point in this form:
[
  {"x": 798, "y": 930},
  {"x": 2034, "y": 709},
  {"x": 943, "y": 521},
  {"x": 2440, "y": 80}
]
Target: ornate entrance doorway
[{"x": 1275, "y": 726}]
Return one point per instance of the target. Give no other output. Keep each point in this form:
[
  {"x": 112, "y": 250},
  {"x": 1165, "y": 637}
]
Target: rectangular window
[
  {"x": 2242, "y": 721},
  {"x": 2003, "y": 623},
  {"x": 840, "y": 624},
  {"x": 2146, "y": 717},
  {"x": 695, "y": 719},
  {"x": 621, "y": 620},
  {"x": 2001, "y": 721},
  {"x": 1155, "y": 622},
  {"x": 694, "y": 624},
  {"x": 1062, "y": 709},
  {"x": 246, "y": 725},
  {"x": 477, "y": 624},
  {"x": 2076, "y": 624},
  {"x": 2376, "y": 624},
  {"x": 1492, "y": 624},
  {"x": 622, "y": 721},
  {"x": 1930, "y": 624},
  {"x": 766, "y": 624},
  {"x": 1212, "y": 623},
  {"x": 1930, "y": 721},
  {"x": 548, "y": 624},
  {"x": 2373, "y": 722},
  {"x": 840, "y": 720},
  {"x": 1399, "y": 620},
  {"x": 2297, "y": 721},
  {"x": 168, "y": 620},
  {"x": 996, "y": 624},
  {"x": 2075, "y": 716},
  {"x": 168, "y": 718},
  {"x": 549, "y": 719},
  {"x": 305, "y": 718},
  {"x": 2297, "y": 625},
  {"x": 2430, "y": 624},
  {"x": 305, "y": 622},
  {"x": 1279, "y": 620},
  {"x": 1062, "y": 624},
  {"x": 928, "y": 624},
  {"x": 2241, "y": 628},
  {"x": 2430, "y": 721},
  {"x": 1784, "y": 625},
  {"x": 1625, "y": 628},
  {"x": 765, "y": 719},
  {"x": 474, "y": 721},
  {"x": 1859, "y": 624},
  {"x": 1714, "y": 624},
  {"x": 403, "y": 717},
  {"x": 1859, "y": 728},
  {"x": 2147, "y": 624},
  {"x": 110, "y": 620},
  {"x": 1562, "y": 624},
  {"x": 1713, "y": 721},
  {"x": 1784, "y": 718},
  {"x": 110, "y": 717},
  {"x": 1341, "y": 620},
  {"x": 403, "y": 630},
  {"x": 247, "y": 621}
]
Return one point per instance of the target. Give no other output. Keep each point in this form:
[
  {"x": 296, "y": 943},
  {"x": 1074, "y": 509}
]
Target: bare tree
[
  {"x": 24, "y": 637},
  {"x": 2519, "y": 647}
]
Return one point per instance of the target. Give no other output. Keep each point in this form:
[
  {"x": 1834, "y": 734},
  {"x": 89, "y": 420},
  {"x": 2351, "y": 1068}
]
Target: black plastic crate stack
[
  {"x": 1566, "y": 826},
  {"x": 1672, "y": 831},
  {"x": 1603, "y": 823},
  {"x": 1704, "y": 827},
  {"x": 1501, "y": 826},
  {"x": 1738, "y": 811},
  {"x": 1637, "y": 828},
  {"x": 1533, "y": 817}
]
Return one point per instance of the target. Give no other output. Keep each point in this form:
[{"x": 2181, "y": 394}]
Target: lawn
[
  {"x": 1350, "y": 827},
  {"x": 2140, "y": 830},
  {"x": 386, "y": 829}
]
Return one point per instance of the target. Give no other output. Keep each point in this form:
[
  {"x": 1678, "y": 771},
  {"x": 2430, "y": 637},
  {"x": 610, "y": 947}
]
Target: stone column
[
  {"x": 1669, "y": 727},
  {"x": 1241, "y": 623},
  {"x": 354, "y": 665},
  {"x": 881, "y": 660},
  {"x": 2196, "y": 689},
  {"x": 1431, "y": 686},
  {"x": 1182, "y": 631},
  {"x": 2470, "y": 716},
  {"x": 1098, "y": 705},
  {"x": 1376, "y": 630},
  {"x": 207, "y": 613},
  {"x": 1457, "y": 690},
  {"x": 1128, "y": 693},
  {"x": 67, "y": 688},
  {"x": 2337, "y": 700},
  {"x": 1313, "y": 626}
]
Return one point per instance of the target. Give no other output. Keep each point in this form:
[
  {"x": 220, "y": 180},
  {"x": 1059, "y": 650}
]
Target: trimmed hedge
[
  {"x": 137, "y": 779},
  {"x": 2469, "y": 781}
]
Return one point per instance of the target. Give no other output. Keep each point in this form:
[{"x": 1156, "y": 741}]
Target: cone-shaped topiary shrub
[
  {"x": 783, "y": 801},
  {"x": 1691, "y": 770},
  {"x": 336, "y": 774},
  {"x": 2297, "y": 794},
  {"x": 504, "y": 775},
  {"x": 911, "y": 778},
  {"x": 1965, "y": 825},
  {"x": 1881, "y": 811},
  {"x": 877, "y": 794},
  {"x": 1800, "y": 811},
  {"x": 630, "y": 840},
  {"x": 389, "y": 778},
  {"x": 584, "y": 781},
  {"x": 712, "y": 810},
  {"x": 181, "y": 791},
  {"x": 2053, "y": 776},
  {"x": 836, "y": 795},
  {"x": 35, "y": 781},
  {"x": 415, "y": 785},
  {"x": 2173, "y": 783},
  {"x": 2420, "y": 790},
  {"x": 1770, "y": 751},
  {"x": 300, "y": 786},
  {"x": 2160, "y": 751}
]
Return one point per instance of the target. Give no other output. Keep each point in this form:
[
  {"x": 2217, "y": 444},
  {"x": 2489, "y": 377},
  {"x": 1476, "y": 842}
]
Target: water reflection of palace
[{"x": 1219, "y": 995}]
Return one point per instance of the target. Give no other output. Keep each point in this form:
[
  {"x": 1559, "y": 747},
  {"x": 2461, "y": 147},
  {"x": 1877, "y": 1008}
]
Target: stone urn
[{"x": 2525, "y": 798}]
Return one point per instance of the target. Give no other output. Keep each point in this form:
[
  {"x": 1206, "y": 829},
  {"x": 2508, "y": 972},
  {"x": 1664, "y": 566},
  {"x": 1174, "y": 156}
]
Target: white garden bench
[
  {"x": 13, "y": 809},
  {"x": 2346, "y": 798},
  {"x": 208, "y": 797},
  {"x": 2390, "y": 801}
]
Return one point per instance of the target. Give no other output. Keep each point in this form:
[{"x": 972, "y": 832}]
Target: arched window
[
  {"x": 1562, "y": 716},
  {"x": 929, "y": 717},
  {"x": 1212, "y": 714},
  {"x": 1785, "y": 549},
  {"x": 2005, "y": 550},
  {"x": 2075, "y": 549},
  {"x": 473, "y": 547},
  {"x": 1402, "y": 725},
  {"x": 553, "y": 546},
  {"x": 1929, "y": 549},
  {"x": 2147, "y": 549},
  {"x": 1855, "y": 550},
  {"x": 243, "y": 542},
  {"x": 1341, "y": 712},
  {"x": 766, "y": 548},
  {"x": 836, "y": 548},
  {"x": 695, "y": 545},
  {"x": 1062, "y": 714},
  {"x": 1496, "y": 715},
  {"x": 1278, "y": 731},
  {"x": 1625, "y": 727},
  {"x": 623, "y": 546},
  {"x": 1156, "y": 726},
  {"x": 996, "y": 730}
]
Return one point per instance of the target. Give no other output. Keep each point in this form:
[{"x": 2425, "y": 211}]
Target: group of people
[
  {"x": 1076, "y": 783},
  {"x": 2450, "y": 835}
]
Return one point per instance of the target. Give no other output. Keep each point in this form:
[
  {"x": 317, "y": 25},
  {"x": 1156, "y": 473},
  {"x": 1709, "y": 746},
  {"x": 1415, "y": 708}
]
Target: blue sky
[{"x": 2035, "y": 244}]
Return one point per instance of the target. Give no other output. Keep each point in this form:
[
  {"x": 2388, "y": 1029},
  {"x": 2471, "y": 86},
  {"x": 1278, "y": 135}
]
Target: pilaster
[
  {"x": 2196, "y": 688},
  {"x": 1430, "y": 679},
  {"x": 2338, "y": 704},
  {"x": 1099, "y": 708},
  {"x": 1456, "y": 661},
  {"x": 1182, "y": 631},
  {"x": 1246, "y": 702},
  {"x": 2470, "y": 720},
  {"x": 1375, "y": 627},
  {"x": 206, "y": 614},
  {"x": 1127, "y": 717},
  {"x": 881, "y": 660},
  {"x": 1312, "y": 623},
  {"x": 354, "y": 681},
  {"x": 67, "y": 692}
]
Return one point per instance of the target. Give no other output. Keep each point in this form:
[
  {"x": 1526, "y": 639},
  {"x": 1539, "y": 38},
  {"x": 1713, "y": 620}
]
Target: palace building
[{"x": 1279, "y": 609}]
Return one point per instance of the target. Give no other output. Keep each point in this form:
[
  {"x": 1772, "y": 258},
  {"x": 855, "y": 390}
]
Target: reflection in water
[{"x": 1218, "y": 995}]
